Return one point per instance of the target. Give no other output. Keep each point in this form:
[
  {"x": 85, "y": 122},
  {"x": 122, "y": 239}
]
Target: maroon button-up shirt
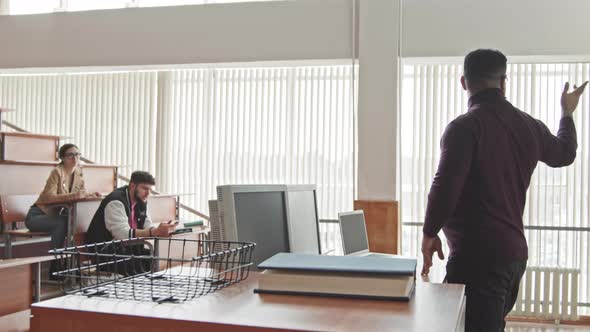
[{"x": 487, "y": 158}]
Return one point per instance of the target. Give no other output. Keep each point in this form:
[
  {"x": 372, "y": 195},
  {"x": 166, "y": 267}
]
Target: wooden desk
[
  {"x": 16, "y": 283},
  {"x": 80, "y": 214},
  {"x": 434, "y": 307},
  {"x": 179, "y": 249},
  {"x": 27, "y": 146}
]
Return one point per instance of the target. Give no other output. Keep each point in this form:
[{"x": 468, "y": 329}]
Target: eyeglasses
[{"x": 73, "y": 155}]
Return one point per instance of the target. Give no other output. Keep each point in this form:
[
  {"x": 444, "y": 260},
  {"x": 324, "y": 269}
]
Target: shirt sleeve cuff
[
  {"x": 429, "y": 231},
  {"x": 566, "y": 120}
]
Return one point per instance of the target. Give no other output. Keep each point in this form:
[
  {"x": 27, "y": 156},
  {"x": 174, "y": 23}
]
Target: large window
[
  {"x": 556, "y": 217},
  {"x": 199, "y": 128},
  {"x": 258, "y": 125}
]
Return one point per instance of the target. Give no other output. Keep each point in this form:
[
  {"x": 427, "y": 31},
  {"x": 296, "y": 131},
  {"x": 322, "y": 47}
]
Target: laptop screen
[{"x": 353, "y": 231}]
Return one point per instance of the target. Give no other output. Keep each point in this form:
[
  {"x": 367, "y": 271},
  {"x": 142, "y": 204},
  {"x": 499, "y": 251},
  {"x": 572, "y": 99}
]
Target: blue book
[{"x": 389, "y": 278}]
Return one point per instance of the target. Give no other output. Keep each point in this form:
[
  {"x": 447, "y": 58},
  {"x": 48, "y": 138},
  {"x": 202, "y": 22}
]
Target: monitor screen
[
  {"x": 261, "y": 218},
  {"x": 353, "y": 231}
]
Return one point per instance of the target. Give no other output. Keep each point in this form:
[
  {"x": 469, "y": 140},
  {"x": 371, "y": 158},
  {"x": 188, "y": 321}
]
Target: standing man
[{"x": 478, "y": 193}]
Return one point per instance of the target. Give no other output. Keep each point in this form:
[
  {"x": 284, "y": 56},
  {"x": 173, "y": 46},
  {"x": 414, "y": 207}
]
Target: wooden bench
[
  {"x": 14, "y": 209},
  {"x": 26, "y": 146}
]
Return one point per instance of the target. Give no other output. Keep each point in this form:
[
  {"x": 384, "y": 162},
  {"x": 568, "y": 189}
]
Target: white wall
[
  {"x": 286, "y": 30},
  {"x": 257, "y": 31},
  {"x": 378, "y": 99},
  {"x": 516, "y": 27},
  {"x": 304, "y": 29}
]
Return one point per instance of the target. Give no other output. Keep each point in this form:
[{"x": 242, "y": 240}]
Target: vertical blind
[
  {"x": 258, "y": 125},
  {"x": 557, "y": 200},
  {"x": 199, "y": 128},
  {"x": 110, "y": 116}
]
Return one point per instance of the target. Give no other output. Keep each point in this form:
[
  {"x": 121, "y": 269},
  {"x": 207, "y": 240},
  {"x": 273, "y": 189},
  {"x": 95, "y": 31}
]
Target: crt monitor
[{"x": 278, "y": 218}]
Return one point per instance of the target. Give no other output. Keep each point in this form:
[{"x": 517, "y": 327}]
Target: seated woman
[{"x": 65, "y": 183}]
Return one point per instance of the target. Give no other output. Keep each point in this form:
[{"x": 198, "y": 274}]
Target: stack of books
[{"x": 388, "y": 278}]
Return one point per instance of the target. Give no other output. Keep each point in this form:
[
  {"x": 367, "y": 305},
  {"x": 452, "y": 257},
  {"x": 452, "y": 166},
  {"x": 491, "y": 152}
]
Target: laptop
[{"x": 353, "y": 232}]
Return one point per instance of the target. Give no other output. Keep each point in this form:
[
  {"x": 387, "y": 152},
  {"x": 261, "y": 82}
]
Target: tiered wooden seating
[{"x": 26, "y": 161}]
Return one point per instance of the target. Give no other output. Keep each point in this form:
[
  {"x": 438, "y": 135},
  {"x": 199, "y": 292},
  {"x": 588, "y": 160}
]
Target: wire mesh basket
[{"x": 153, "y": 269}]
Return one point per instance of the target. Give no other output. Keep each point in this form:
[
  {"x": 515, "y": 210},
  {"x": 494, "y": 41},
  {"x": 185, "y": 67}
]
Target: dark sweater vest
[{"x": 98, "y": 232}]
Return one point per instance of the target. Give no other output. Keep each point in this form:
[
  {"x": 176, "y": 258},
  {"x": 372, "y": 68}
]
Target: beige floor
[
  {"x": 528, "y": 327},
  {"x": 17, "y": 322}
]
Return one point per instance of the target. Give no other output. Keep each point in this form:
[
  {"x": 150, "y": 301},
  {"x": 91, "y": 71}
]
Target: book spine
[{"x": 353, "y": 296}]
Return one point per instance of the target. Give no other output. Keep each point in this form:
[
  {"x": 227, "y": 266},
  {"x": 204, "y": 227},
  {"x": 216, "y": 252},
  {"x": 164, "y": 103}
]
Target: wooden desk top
[
  {"x": 98, "y": 199},
  {"x": 50, "y": 163},
  {"x": 72, "y": 201},
  {"x": 27, "y": 134},
  {"x": 434, "y": 307},
  {"x": 8, "y": 263}
]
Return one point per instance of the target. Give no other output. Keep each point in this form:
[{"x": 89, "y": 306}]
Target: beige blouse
[{"x": 57, "y": 188}]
